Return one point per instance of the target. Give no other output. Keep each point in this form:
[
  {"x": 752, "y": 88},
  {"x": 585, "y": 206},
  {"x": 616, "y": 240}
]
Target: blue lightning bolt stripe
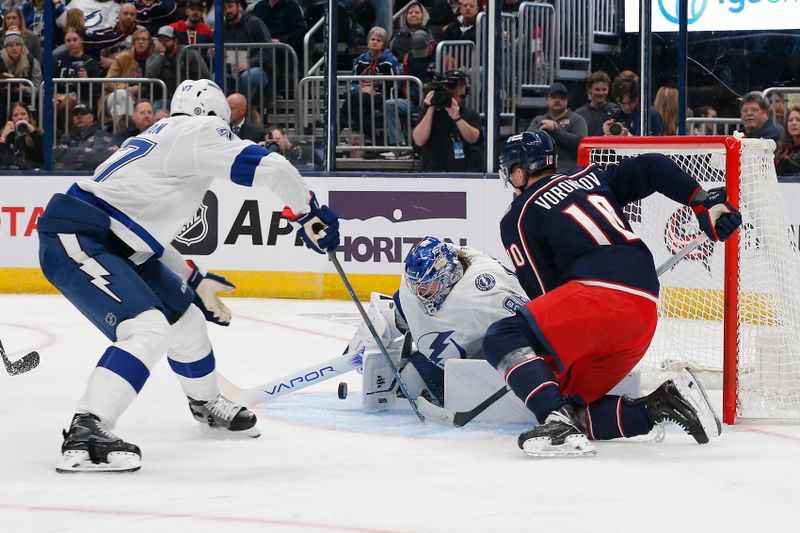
[
  {"x": 89, "y": 265},
  {"x": 439, "y": 345}
]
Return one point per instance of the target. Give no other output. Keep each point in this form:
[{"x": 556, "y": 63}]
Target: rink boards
[{"x": 239, "y": 231}]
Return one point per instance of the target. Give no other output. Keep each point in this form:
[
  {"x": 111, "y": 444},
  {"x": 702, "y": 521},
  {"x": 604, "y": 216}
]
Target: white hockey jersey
[
  {"x": 486, "y": 293},
  {"x": 156, "y": 181},
  {"x": 97, "y": 14}
]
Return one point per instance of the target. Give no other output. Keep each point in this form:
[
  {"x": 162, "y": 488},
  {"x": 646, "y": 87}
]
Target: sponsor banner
[{"x": 718, "y": 15}]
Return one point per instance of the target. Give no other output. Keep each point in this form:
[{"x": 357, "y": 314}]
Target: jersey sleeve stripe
[
  {"x": 119, "y": 216},
  {"x": 243, "y": 170}
]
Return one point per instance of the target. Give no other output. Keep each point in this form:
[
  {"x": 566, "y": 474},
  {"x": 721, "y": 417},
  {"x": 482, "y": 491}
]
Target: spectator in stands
[
  {"x": 566, "y": 127},
  {"x": 247, "y": 71},
  {"x": 152, "y": 14},
  {"x": 33, "y": 14},
  {"x": 106, "y": 43},
  {"x": 142, "y": 119},
  {"x": 449, "y": 133},
  {"x": 705, "y": 111},
  {"x": 21, "y": 142},
  {"x": 443, "y": 13},
  {"x": 598, "y": 109},
  {"x": 192, "y": 29},
  {"x": 85, "y": 145},
  {"x": 120, "y": 97},
  {"x": 787, "y": 162},
  {"x": 241, "y": 125},
  {"x": 666, "y": 103},
  {"x": 419, "y": 62},
  {"x": 511, "y": 6},
  {"x": 301, "y": 154},
  {"x": 74, "y": 62},
  {"x": 625, "y": 90},
  {"x": 163, "y": 64},
  {"x": 284, "y": 19},
  {"x": 463, "y": 29},
  {"x": 13, "y": 19},
  {"x": 414, "y": 18},
  {"x": 756, "y": 121},
  {"x": 17, "y": 62},
  {"x": 366, "y": 97},
  {"x": 161, "y": 114}
]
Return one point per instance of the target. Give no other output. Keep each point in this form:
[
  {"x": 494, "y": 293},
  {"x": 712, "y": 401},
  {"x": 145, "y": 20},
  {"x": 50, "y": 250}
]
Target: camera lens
[
  {"x": 21, "y": 128},
  {"x": 615, "y": 128}
]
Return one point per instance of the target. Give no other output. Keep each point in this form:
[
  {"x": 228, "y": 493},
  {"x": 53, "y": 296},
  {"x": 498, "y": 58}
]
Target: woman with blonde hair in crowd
[
  {"x": 666, "y": 103},
  {"x": 787, "y": 162},
  {"x": 21, "y": 141},
  {"x": 17, "y": 62},
  {"x": 121, "y": 97},
  {"x": 13, "y": 18}
]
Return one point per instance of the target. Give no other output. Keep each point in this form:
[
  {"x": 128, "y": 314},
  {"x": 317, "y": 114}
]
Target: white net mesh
[{"x": 691, "y": 310}]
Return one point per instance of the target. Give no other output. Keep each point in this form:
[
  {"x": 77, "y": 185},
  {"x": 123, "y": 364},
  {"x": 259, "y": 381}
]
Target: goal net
[{"x": 729, "y": 311}]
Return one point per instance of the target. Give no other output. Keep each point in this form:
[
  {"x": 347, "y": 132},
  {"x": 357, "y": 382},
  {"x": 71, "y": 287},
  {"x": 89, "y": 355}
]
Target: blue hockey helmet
[
  {"x": 532, "y": 150},
  {"x": 431, "y": 269}
]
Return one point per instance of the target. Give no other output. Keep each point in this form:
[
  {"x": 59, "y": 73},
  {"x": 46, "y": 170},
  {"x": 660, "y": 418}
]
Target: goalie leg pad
[{"x": 378, "y": 383}]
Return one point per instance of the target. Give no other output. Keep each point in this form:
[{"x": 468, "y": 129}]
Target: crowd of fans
[{"x": 148, "y": 38}]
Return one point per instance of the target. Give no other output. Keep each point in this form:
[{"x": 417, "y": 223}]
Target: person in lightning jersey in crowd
[
  {"x": 105, "y": 245},
  {"x": 594, "y": 289},
  {"x": 448, "y": 297}
]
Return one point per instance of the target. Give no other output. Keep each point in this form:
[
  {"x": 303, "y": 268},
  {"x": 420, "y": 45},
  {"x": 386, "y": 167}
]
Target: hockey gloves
[
  {"x": 718, "y": 219},
  {"x": 319, "y": 228},
  {"x": 206, "y": 286}
]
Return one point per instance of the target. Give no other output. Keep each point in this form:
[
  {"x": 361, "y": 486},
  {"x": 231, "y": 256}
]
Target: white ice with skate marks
[{"x": 322, "y": 465}]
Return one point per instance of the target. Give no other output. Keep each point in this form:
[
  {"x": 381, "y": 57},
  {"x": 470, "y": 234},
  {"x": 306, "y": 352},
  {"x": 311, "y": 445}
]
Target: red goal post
[{"x": 732, "y": 315}]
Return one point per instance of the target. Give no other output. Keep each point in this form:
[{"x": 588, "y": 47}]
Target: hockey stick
[
  {"x": 375, "y": 336},
  {"x": 458, "y": 419},
  {"x": 21, "y": 365},
  {"x": 291, "y": 382}
]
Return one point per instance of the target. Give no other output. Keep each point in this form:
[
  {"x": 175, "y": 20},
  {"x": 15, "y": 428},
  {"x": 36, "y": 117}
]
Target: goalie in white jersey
[
  {"x": 448, "y": 298},
  {"x": 105, "y": 245}
]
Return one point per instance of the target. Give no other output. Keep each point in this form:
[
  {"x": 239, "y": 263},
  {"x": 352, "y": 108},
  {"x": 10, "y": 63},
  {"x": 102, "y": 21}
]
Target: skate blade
[
  {"x": 693, "y": 391},
  {"x": 222, "y": 433},
  {"x": 573, "y": 446},
  {"x": 77, "y": 461}
]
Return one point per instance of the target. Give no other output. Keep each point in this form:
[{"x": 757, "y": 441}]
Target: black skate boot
[
  {"x": 89, "y": 446},
  {"x": 221, "y": 414},
  {"x": 683, "y": 401},
  {"x": 559, "y": 436}
]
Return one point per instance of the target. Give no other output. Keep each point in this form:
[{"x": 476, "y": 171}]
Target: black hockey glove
[
  {"x": 206, "y": 286},
  {"x": 718, "y": 219},
  {"x": 319, "y": 228}
]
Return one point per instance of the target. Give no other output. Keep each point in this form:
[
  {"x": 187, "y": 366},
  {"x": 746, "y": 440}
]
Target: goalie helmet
[
  {"x": 532, "y": 150},
  {"x": 431, "y": 269},
  {"x": 200, "y": 98}
]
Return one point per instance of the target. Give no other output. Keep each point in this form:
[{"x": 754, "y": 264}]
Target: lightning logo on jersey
[{"x": 439, "y": 349}]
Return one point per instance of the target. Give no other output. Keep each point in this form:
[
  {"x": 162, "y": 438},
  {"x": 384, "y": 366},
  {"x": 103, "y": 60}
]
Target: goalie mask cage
[{"x": 730, "y": 311}]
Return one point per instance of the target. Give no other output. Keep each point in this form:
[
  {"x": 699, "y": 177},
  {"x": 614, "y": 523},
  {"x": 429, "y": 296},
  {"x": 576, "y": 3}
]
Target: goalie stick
[
  {"x": 20, "y": 366},
  {"x": 291, "y": 382},
  {"x": 375, "y": 336},
  {"x": 440, "y": 415}
]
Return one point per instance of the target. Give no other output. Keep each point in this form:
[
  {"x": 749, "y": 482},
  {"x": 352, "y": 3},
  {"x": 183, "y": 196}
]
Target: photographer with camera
[
  {"x": 625, "y": 90},
  {"x": 448, "y": 133},
  {"x": 566, "y": 127},
  {"x": 21, "y": 142}
]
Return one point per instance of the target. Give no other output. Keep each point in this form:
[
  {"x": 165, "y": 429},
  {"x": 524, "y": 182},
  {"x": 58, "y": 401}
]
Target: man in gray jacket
[
  {"x": 566, "y": 127},
  {"x": 163, "y": 64}
]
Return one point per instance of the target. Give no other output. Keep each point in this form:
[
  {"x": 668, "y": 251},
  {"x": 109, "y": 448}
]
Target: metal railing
[
  {"x": 575, "y": 20},
  {"x": 460, "y": 55},
  {"x": 712, "y": 125},
  {"x": 537, "y": 46},
  {"x": 112, "y": 105},
  {"x": 364, "y": 114},
  {"x": 268, "y": 83},
  {"x": 18, "y": 90}
]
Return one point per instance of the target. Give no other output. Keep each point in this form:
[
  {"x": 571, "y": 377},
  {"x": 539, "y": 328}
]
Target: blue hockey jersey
[{"x": 571, "y": 226}]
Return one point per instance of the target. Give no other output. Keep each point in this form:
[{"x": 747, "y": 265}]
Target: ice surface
[{"x": 323, "y": 465}]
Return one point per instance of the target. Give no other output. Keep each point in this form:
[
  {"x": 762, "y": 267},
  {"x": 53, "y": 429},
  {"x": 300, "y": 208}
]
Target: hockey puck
[{"x": 342, "y": 390}]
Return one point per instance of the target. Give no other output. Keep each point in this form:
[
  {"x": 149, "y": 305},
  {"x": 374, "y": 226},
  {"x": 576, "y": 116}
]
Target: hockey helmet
[
  {"x": 200, "y": 98},
  {"x": 431, "y": 269},
  {"x": 532, "y": 150}
]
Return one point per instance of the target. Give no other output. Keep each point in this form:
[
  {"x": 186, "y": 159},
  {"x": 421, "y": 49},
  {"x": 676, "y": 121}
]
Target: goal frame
[{"x": 732, "y": 147}]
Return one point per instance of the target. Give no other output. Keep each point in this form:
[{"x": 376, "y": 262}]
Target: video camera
[{"x": 442, "y": 84}]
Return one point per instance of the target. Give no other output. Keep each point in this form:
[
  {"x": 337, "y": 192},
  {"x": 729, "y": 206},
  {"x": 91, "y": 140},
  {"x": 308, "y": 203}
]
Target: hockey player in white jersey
[
  {"x": 105, "y": 245},
  {"x": 448, "y": 298}
]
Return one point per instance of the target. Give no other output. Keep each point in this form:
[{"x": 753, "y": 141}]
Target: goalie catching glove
[
  {"x": 319, "y": 228},
  {"x": 718, "y": 219},
  {"x": 206, "y": 286}
]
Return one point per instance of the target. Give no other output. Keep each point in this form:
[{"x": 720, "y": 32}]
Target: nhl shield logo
[{"x": 199, "y": 234}]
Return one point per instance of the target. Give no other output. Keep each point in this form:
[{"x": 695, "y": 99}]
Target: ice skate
[
  {"x": 221, "y": 414},
  {"x": 559, "y": 436},
  {"x": 89, "y": 446},
  {"x": 683, "y": 401}
]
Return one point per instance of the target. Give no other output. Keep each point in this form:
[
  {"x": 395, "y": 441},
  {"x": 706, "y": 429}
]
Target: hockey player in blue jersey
[
  {"x": 594, "y": 290},
  {"x": 105, "y": 245}
]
